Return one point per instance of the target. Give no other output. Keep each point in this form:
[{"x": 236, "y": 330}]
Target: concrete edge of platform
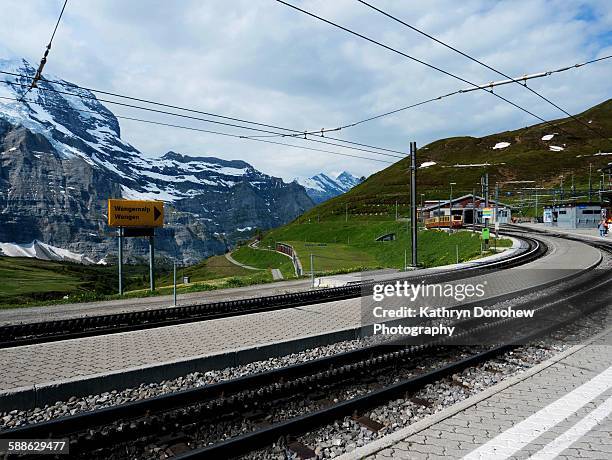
[
  {"x": 29, "y": 397},
  {"x": 391, "y": 439}
]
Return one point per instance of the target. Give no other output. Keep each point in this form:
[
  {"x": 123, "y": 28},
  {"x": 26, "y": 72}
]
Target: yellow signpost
[
  {"x": 136, "y": 218},
  {"x": 135, "y": 213}
]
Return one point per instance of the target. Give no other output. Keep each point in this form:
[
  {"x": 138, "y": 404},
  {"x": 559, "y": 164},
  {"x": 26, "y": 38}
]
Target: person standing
[{"x": 602, "y": 228}]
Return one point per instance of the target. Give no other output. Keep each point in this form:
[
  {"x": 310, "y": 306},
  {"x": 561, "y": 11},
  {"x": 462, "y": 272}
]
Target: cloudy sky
[{"x": 261, "y": 61}]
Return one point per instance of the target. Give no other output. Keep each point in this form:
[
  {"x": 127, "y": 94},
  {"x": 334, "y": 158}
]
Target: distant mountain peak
[{"x": 322, "y": 187}]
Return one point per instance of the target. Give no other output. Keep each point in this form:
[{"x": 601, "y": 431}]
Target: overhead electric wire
[
  {"x": 401, "y": 53},
  {"x": 296, "y": 134},
  {"x": 43, "y": 61},
  {"x": 165, "y": 112},
  {"x": 460, "y": 91},
  {"x": 363, "y": 2},
  {"x": 237, "y": 136}
]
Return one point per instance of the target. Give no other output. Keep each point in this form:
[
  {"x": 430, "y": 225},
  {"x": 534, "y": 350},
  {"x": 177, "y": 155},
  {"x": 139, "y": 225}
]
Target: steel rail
[
  {"x": 372, "y": 356},
  {"x": 262, "y": 437}
]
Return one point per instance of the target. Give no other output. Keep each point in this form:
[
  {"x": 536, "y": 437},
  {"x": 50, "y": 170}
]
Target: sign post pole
[
  {"x": 151, "y": 259},
  {"x": 120, "y": 259}
]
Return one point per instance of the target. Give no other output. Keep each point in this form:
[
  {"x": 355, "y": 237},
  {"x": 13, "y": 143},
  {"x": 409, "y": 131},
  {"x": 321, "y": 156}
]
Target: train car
[{"x": 444, "y": 222}]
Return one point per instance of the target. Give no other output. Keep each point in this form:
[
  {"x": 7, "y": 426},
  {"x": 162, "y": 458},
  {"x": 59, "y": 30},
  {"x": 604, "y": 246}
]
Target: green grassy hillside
[
  {"x": 264, "y": 259},
  {"x": 26, "y": 280},
  {"x": 527, "y": 158},
  {"x": 344, "y": 246},
  {"x": 34, "y": 282}
]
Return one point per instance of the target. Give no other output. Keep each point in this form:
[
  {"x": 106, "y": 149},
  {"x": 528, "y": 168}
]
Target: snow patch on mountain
[
  {"x": 77, "y": 125},
  {"x": 43, "y": 251},
  {"x": 322, "y": 187}
]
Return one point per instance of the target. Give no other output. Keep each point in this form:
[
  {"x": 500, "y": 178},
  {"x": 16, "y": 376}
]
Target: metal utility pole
[
  {"x": 120, "y": 259},
  {"x": 496, "y": 206},
  {"x": 486, "y": 189},
  {"x": 562, "y": 190},
  {"x": 422, "y": 213},
  {"x": 450, "y": 208},
  {"x": 151, "y": 262},
  {"x": 413, "y": 201},
  {"x": 573, "y": 186},
  {"x": 486, "y": 197},
  {"x": 396, "y": 210},
  {"x": 590, "y": 183},
  {"x": 345, "y": 212}
]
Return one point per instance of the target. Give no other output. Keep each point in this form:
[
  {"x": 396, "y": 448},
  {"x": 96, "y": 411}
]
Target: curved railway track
[
  {"x": 14, "y": 335},
  {"x": 179, "y": 418}
]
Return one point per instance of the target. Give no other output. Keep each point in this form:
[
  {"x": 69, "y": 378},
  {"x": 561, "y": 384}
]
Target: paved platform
[
  {"x": 38, "y": 374},
  {"x": 588, "y": 233},
  {"x": 559, "y": 409}
]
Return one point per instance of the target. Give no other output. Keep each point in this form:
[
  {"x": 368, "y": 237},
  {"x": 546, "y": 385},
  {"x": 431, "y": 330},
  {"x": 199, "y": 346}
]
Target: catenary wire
[
  {"x": 541, "y": 96},
  {"x": 147, "y": 101},
  {"x": 43, "y": 61},
  {"x": 220, "y": 133},
  {"x": 460, "y": 91},
  {"x": 165, "y": 112},
  {"x": 401, "y": 53}
]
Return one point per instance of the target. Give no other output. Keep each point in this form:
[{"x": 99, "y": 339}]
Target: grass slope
[
  {"x": 211, "y": 268},
  {"x": 264, "y": 259},
  {"x": 28, "y": 282},
  {"x": 342, "y": 246},
  {"x": 527, "y": 158}
]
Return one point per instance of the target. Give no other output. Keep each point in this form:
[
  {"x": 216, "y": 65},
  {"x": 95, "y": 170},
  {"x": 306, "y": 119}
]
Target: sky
[{"x": 262, "y": 61}]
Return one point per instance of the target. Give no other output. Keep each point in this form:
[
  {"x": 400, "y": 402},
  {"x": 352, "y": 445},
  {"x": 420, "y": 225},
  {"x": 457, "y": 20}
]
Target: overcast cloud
[{"x": 262, "y": 61}]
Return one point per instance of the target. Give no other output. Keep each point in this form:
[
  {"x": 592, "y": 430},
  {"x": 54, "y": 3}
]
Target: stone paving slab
[
  {"x": 56, "y": 363},
  {"x": 559, "y": 409}
]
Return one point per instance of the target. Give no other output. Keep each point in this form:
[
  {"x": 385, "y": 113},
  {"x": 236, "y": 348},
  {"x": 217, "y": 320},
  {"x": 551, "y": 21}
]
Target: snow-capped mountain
[
  {"x": 62, "y": 156},
  {"x": 323, "y": 187}
]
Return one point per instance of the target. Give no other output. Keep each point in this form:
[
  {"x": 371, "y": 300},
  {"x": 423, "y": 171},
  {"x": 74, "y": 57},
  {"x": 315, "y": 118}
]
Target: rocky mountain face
[
  {"x": 322, "y": 187},
  {"x": 62, "y": 157}
]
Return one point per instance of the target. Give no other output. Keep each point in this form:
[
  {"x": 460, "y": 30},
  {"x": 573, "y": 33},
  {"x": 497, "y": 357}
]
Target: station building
[
  {"x": 469, "y": 207},
  {"x": 573, "y": 215}
]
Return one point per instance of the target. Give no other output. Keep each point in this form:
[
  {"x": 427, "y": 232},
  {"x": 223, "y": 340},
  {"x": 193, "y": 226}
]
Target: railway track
[
  {"x": 176, "y": 420},
  {"x": 48, "y": 331}
]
